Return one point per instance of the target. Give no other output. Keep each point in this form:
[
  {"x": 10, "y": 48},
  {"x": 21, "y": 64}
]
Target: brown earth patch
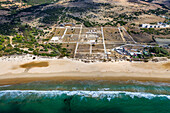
[
  {"x": 166, "y": 65},
  {"x": 30, "y": 65}
]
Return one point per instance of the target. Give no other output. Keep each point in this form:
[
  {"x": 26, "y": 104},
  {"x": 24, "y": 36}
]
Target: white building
[
  {"x": 158, "y": 25},
  {"x": 54, "y": 39},
  {"x": 92, "y": 41}
]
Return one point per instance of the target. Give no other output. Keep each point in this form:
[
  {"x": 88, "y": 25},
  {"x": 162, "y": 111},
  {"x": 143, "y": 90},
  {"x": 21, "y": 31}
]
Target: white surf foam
[
  {"x": 94, "y": 94},
  {"x": 147, "y": 83},
  {"x": 5, "y": 86}
]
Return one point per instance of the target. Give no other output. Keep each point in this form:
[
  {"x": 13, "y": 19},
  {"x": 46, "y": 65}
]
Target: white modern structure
[
  {"x": 92, "y": 41},
  {"x": 54, "y": 39},
  {"x": 158, "y": 25}
]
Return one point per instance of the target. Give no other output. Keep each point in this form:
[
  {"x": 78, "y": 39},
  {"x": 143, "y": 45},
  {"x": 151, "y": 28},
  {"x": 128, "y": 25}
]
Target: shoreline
[{"x": 75, "y": 76}]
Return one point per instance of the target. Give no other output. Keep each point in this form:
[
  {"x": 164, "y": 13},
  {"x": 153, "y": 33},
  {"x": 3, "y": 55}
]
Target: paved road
[
  {"x": 64, "y": 33},
  {"x": 103, "y": 41},
  {"x": 90, "y": 49},
  {"x": 121, "y": 35},
  {"x": 128, "y": 34},
  {"x": 75, "y": 52}
]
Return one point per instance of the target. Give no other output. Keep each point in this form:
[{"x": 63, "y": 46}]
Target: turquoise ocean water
[{"x": 86, "y": 97}]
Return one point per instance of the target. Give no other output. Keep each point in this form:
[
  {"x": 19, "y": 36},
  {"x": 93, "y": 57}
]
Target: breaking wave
[
  {"x": 147, "y": 83},
  {"x": 5, "y": 86},
  {"x": 94, "y": 94}
]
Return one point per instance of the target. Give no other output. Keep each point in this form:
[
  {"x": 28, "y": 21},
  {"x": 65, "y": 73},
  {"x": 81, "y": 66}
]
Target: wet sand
[{"x": 31, "y": 77}]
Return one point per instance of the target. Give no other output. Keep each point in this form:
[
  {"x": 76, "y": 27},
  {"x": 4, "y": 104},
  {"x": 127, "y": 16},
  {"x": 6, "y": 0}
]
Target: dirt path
[{"x": 10, "y": 40}]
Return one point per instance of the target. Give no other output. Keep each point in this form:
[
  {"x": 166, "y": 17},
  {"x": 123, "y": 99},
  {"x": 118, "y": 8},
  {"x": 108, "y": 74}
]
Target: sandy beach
[{"x": 14, "y": 72}]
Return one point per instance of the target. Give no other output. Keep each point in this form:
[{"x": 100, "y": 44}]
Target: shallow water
[{"x": 86, "y": 97}]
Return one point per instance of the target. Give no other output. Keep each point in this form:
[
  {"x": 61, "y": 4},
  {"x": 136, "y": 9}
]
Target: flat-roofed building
[
  {"x": 158, "y": 25},
  {"x": 54, "y": 39}
]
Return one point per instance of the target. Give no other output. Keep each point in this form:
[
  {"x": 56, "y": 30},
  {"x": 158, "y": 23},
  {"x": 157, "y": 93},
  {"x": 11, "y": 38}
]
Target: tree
[
  {"x": 35, "y": 53},
  {"x": 26, "y": 52},
  {"x": 9, "y": 45},
  {"x": 2, "y": 40},
  {"x": 1, "y": 47},
  {"x": 88, "y": 24},
  {"x": 30, "y": 49}
]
